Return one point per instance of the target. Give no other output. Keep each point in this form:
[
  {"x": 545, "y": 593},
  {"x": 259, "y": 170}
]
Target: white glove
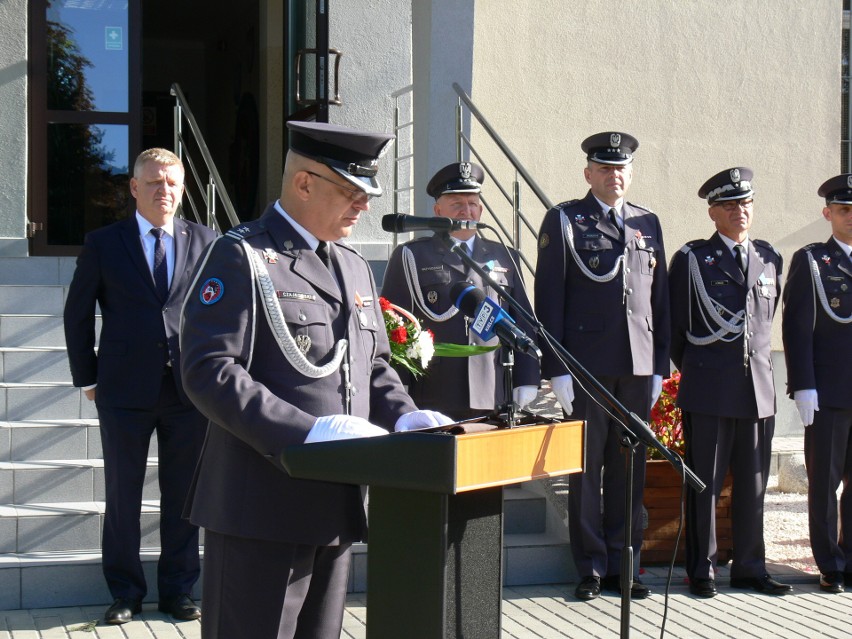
[
  {"x": 563, "y": 388},
  {"x": 524, "y": 395},
  {"x": 417, "y": 419},
  {"x": 806, "y": 403},
  {"x": 335, "y": 427},
  {"x": 656, "y": 388}
]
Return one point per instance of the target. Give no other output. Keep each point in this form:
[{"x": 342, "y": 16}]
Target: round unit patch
[{"x": 211, "y": 291}]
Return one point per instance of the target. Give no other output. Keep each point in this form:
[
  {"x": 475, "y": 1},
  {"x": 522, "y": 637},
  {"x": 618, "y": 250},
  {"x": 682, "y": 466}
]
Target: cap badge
[
  {"x": 304, "y": 343},
  {"x": 270, "y": 256},
  {"x": 464, "y": 170},
  {"x": 849, "y": 181},
  {"x": 709, "y": 260},
  {"x": 432, "y": 296},
  {"x": 615, "y": 139},
  {"x": 735, "y": 175}
]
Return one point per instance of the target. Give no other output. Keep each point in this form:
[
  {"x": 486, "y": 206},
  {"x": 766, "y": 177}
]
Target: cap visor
[{"x": 369, "y": 185}]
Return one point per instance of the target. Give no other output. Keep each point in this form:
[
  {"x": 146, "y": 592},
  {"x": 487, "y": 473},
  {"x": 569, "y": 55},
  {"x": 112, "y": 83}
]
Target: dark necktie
[
  {"x": 324, "y": 255},
  {"x": 739, "y": 251},
  {"x": 613, "y": 217},
  {"x": 161, "y": 268}
]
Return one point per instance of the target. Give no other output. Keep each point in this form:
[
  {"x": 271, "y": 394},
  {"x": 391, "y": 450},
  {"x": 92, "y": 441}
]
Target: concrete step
[
  {"x": 34, "y": 364},
  {"x": 43, "y": 401},
  {"x": 32, "y": 300},
  {"x": 40, "y": 482},
  {"x": 37, "y": 270},
  {"x": 23, "y": 331},
  {"x": 53, "y": 439}
]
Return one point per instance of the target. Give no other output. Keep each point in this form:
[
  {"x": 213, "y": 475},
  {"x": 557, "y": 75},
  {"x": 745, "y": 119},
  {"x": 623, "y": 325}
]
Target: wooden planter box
[{"x": 662, "y": 501}]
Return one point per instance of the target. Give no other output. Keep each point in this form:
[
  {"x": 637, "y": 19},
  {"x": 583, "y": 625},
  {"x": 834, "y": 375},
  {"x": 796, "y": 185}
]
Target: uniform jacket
[
  {"x": 714, "y": 379},
  {"x": 455, "y": 383},
  {"x": 818, "y": 348},
  {"x": 612, "y": 328},
  {"x": 258, "y": 403},
  {"x": 139, "y": 332}
]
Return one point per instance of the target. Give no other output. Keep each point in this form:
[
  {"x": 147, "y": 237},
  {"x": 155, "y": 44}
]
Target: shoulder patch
[
  {"x": 211, "y": 291},
  {"x": 767, "y": 245}
]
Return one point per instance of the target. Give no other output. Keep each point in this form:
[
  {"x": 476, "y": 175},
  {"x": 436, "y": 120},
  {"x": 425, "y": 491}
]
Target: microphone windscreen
[
  {"x": 392, "y": 223},
  {"x": 467, "y": 297}
]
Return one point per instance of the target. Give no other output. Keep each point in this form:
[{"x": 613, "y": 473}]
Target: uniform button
[
  {"x": 627, "y": 270},
  {"x": 752, "y": 352},
  {"x": 580, "y": 327},
  {"x": 751, "y": 333},
  {"x": 630, "y": 291},
  {"x": 750, "y": 315},
  {"x": 302, "y": 317},
  {"x": 629, "y": 312}
]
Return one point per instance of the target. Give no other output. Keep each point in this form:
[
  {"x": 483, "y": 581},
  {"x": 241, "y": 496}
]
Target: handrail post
[
  {"x": 459, "y": 115},
  {"x": 211, "y": 200},
  {"x": 178, "y": 130},
  {"x": 516, "y": 209}
]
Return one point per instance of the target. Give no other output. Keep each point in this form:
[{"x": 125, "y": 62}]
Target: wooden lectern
[{"x": 434, "y": 562}]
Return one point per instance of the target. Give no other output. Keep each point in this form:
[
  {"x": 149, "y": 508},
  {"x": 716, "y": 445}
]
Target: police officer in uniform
[
  {"x": 283, "y": 343},
  {"x": 420, "y": 275},
  {"x": 724, "y": 292},
  {"x": 817, "y": 330},
  {"x": 601, "y": 291}
]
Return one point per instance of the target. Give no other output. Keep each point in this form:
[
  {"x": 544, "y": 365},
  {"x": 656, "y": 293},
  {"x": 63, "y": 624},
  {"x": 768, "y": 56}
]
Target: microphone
[
  {"x": 490, "y": 319},
  {"x": 399, "y": 223}
]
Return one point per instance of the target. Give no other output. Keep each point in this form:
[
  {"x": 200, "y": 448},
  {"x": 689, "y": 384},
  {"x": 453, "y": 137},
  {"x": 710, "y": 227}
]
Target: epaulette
[
  {"x": 639, "y": 206},
  {"x": 811, "y": 246},
  {"x": 246, "y": 229},
  {"x": 566, "y": 204},
  {"x": 686, "y": 248},
  {"x": 767, "y": 245}
]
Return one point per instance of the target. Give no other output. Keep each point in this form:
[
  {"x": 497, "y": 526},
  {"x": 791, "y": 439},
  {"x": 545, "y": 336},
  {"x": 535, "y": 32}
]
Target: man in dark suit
[
  {"x": 420, "y": 277},
  {"x": 817, "y": 330},
  {"x": 284, "y": 343},
  {"x": 137, "y": 270},
  {"x": 724, "y": 292},
  {"x": 600, "y": 290}
]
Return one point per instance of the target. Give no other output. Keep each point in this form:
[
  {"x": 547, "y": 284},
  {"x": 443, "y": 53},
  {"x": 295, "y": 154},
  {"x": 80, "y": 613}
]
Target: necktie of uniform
[
  {"x": 739, "y": 255},
  {"x": 324, "y": 255},
  {"x": 161, "y": 269},
  {"x": 613, "y": 217}
]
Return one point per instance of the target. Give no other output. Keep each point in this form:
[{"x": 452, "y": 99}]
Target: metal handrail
[{"x": 215, "y": 185}]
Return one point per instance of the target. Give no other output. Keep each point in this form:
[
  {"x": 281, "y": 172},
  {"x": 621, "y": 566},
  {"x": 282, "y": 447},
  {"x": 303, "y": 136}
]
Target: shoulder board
[
  {"x": 686, "y": 248},
  {"x": 767, "y": 245},
  {"x": 566, "y": 204},
  {"x": 247, "y": 229},
  {"x": 812, "y": 246},
  {"x": 346, "y": 246},
  {"x": 639, "y": 206}
]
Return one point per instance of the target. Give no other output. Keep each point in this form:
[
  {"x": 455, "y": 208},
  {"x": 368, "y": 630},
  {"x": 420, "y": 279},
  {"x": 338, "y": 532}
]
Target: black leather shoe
[
  {"x": 638, "y": 590},
  {"x": 831, "y": 582},
  {"x": 588, "y": 589},
  {"x": 703, "y": 587},
  {"x": 122, "y": 610},
  {"x": 182, "y": 608},
  {"x": 765, "y": 584}
]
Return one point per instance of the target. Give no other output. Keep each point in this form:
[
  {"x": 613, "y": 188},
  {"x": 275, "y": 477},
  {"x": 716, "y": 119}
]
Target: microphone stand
[{"x": 634, "y": 430}]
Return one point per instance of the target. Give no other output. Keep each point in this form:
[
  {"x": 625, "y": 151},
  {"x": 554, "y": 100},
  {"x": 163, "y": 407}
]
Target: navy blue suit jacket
[{"x": 139, "y": 332}]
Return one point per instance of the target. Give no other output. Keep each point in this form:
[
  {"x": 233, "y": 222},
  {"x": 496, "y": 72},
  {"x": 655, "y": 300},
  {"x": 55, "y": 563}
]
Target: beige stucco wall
[
  {"x": 13, "y": 127},
  {"x": 704, "y": 85}
]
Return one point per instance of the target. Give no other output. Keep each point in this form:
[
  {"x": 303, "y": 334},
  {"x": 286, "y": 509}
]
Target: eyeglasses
[
  {"x": 732, "y": 205},
  {"x": 353, "y": 194}
]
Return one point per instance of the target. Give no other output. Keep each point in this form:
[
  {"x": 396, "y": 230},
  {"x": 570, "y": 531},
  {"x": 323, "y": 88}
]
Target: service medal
[
  {"x": 303, "y": 342},
  {"x": 432, "y": 296},
  {"x": 270, "y": 256},
  {"x": 709, "y": 260},
  {"x": 826, "y": 259},
  {"x": 844, "y": 287},
  {"x": 835, "y": 302},
  {"x": 579, "y": 218},
  {"x": 594, "y": 261}
]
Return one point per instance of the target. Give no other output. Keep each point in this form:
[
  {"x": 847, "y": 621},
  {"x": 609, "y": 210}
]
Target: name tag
[
  {"x": 440, "y": 267},
  {"x": 290, "y": 295},
  {"x": 592, "y": 236},
  {"x": 719, "y": 282}
]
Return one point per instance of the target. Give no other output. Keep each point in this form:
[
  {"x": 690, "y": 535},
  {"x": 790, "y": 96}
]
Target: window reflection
[
  {"x": 87, "y": 55},
  {"x": 87, "y": 177}
]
